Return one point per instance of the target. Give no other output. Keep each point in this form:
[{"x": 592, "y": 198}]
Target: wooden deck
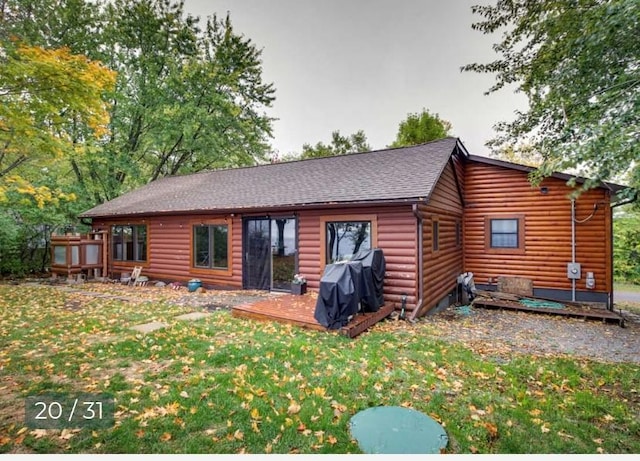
[
  {"x": 497, "y": 300},
  {"x": 298, "y": 310}
]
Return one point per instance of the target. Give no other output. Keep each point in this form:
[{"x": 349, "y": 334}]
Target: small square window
[{"x": 504, "y": 234}]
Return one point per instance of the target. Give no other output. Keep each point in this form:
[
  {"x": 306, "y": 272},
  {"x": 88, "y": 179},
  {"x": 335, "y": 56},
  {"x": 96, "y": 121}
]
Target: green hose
[{"x": 536, "y": 303}]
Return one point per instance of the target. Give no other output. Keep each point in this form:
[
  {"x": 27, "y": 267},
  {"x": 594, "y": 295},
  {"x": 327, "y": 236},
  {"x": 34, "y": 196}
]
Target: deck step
[{"x": 299, "y": 310}]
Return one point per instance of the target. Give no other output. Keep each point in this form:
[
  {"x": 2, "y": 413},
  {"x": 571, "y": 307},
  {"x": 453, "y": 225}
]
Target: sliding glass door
[{"x": 270, "y": 253}]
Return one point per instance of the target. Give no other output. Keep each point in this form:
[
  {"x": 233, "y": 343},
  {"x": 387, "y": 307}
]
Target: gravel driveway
[
  {"x": 626, "y": 296},
  {"x": 502, "y": 333}
]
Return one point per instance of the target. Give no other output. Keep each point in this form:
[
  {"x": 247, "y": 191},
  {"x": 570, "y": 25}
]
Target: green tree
[
  {"x": 420, "y": 128},
  {"x": 339, "y": 145},
  {"x": 626, "y": 249},
  {"x": 524, "y": 155},
  {"x": 578, "y": 63},
  {"x": 187, "y": 97}
]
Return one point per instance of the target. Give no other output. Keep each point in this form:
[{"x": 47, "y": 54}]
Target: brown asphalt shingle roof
[{"x": 407, "y": 173}]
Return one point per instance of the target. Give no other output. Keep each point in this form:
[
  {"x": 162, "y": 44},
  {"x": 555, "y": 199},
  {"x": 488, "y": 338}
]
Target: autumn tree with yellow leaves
[
  {"x": 101, "y": 97},
  {"x": 46, "y": 95}
]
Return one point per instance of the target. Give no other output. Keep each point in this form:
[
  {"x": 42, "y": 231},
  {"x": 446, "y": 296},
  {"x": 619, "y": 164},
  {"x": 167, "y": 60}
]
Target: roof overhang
[
  {"x": 279, "y": 209},
  {"x": 528, "y": 169}
]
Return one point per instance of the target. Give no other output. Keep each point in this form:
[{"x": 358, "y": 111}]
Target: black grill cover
[
  {"x": 373, "y": 270},
  {"x": 347, "y": 286},
  {"x": 338, "y": 296}
]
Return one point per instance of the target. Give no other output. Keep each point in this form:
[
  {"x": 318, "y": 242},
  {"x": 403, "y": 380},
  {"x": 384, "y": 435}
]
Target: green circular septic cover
[{"x": 397, "y": 430}]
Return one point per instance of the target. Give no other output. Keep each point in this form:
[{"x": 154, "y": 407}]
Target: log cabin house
[{"x": 435, "y": 210}]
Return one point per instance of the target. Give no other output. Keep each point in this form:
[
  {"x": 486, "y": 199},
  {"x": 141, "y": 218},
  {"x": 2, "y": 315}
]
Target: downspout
[
  {"x": 420, "y": 252},
  {"x": 610, "y": 269},
  {"x": 573, "y": 246}
]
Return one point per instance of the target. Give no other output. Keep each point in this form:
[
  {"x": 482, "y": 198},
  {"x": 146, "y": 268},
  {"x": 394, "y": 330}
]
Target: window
[
  {"x": 60, "y": 255},
  {"x": 458, "y": 234},
  {"x": 504, "y": 234},
  {"x": 435, "y": 229},
  {"x": 211, "y": 246},
  {"x": 129, "y": 243},
  {"x": 346, "y": 238},
  {"x": 92, "y": 254}
]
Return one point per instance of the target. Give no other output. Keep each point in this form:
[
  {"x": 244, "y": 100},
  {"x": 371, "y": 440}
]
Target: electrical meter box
[{"x": 574, "y": 271}]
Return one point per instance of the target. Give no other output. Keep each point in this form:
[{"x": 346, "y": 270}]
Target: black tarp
[
  {"x": 373, "y": 269},
  {"x": 337, "y": 298},
  {"x": 348, "y": 286}
]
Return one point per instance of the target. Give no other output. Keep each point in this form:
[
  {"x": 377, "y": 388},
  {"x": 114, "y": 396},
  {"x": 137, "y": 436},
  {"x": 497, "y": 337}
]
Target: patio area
[{"x": 299, "y": 310}]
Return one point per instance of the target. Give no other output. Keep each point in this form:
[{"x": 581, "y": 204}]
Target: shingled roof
[{"x": 401, "y": 174}]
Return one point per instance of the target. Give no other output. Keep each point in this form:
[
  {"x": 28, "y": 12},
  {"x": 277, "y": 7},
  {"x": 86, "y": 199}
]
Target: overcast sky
[{"x": 352, "y": 65}]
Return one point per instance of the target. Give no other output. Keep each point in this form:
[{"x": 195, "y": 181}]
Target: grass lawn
[
  {"x": 227, "y": 385},
  {"x": 626, "y": 287}
]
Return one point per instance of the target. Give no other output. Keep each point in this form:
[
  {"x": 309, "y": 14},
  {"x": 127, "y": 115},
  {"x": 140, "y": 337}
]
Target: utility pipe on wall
[
  {"x": 420, "y": 258},
  {"x": 573, "y": 246}
]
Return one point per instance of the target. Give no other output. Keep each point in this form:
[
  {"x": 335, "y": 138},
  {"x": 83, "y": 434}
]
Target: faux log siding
[
  {"x": 169, "y": 253},
  {"x": 397, "y": 237},
  {"x": 442, "y": 267},
  {"x": 445, "y": 195},
  {"x": 309, "y": 248},
  {"x": 492, "y": 190}
]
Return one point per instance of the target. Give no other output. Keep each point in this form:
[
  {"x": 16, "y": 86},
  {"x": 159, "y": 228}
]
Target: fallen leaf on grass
[
  {"x": 171, "y": 408},
  {"x": 319, "y": 391},
  {"x": 294, "y": 408},
  {"x": 165, "y": 437},
  {"x": 338, "y": 409},
  {"x": 37, "y": 433},
  {"x": 254, "y": 426},
  {"x": 492, "y": 430},
  {"x": 565, "y": 435},
  {"x": 66, "y": 434}
]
